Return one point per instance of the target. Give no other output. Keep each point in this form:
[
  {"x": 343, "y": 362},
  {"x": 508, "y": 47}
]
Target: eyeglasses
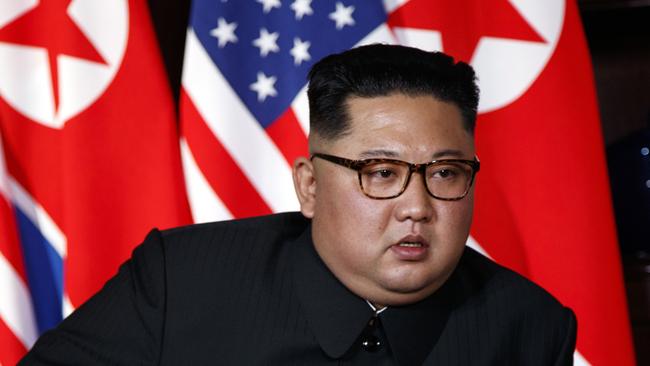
[{"x": 446, "y": 179}]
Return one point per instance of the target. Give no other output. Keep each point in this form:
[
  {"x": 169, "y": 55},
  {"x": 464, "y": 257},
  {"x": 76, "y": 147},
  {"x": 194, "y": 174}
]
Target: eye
[
  {"x": 381, "y": 173},
  {"x": 447, "y": 172}
]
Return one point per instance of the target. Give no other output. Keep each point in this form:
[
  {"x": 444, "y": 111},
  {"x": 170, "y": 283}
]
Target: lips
[
  {"x": 413, "y": 240},
  {"x": 411, "y": 248}
]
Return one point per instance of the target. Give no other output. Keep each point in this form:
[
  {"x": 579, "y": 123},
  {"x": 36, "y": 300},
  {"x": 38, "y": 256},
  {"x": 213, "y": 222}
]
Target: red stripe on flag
[
  {"x": 12, "y": 349},
  {"x": 218, "y": 167},
  {"x": 288, "y": 136}
]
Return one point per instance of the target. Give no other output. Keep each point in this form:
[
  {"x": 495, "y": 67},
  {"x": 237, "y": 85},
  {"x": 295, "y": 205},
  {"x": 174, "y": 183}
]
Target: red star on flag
[
  {"x": 463, "y": 23},
  {"x": 49, "y": 26}
]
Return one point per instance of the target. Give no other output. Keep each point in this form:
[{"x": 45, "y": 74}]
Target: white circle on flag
[
  {"x": 25, "y": 76},
  {"x": 505, "y": 67}
]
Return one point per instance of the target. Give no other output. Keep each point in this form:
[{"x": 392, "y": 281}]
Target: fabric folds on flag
[
  {"x": 543, "y": 203},
  {"x": 17, "y": 324},
  {"x": 90, "y": 157}
]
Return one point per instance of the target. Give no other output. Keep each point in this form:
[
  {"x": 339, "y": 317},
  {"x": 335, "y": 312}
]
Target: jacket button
[{"x": 370, "y": 343}]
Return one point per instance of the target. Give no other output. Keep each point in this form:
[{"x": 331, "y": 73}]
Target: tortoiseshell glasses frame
[{"x": 448, "y": 179}]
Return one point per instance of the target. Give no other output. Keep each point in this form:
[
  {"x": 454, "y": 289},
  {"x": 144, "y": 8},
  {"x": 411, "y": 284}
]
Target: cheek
[
  {"x": 351, "y": 214},
  {"x": 456, "y": 217},
  {"x": 353, "y": 222},
  {"x": 370, "y": 217},
  {"x": 333, "y": 211}
]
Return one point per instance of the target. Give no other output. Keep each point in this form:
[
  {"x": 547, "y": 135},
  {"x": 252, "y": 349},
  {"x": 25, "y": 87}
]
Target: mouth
[
  {"x": 412, "y": 241},
  {"x": 410, "y": 244},
  {"x": 411, "y": 248}
]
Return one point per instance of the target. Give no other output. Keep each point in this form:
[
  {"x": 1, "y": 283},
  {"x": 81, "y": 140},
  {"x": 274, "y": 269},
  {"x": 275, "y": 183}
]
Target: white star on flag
[
  {"x": 264, "y": 86},
  {"x": 300, "y": 51},
  {"x": 269, "y": 5},
  {"x": 302, "y": 8},
  {"x": 267, "y": 42},
  {"x": 342, "y": 15},
  {"x": 225, "y": 32}
]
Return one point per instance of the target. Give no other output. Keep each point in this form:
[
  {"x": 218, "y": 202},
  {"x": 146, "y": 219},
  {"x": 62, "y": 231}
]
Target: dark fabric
[{"x": 254, "y": 292}]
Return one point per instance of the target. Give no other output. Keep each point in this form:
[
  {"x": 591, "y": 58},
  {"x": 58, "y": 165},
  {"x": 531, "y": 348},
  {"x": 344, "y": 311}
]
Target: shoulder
[
  {"x": 507, "y": 318},
  {"x": 505, "y": 293},
  {"x": 484, "y": 280},
  {"x": 183, "y": 247},
  {"x": 218, "y": 245},
  {"x": 283, "y": 224}
]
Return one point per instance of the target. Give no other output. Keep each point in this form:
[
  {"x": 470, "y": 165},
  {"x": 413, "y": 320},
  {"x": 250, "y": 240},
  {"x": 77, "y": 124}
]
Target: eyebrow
[
  {"x": 382, "y": 153},
  {"x": 447, "y": 153},
  {"x": 379, "y": 153}
]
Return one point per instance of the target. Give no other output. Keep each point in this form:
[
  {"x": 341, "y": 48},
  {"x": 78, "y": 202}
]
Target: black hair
[{"x": 380, "y": 70}]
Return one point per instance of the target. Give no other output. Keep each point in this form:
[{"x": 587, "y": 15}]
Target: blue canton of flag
[{"x": 265, "y": 48}]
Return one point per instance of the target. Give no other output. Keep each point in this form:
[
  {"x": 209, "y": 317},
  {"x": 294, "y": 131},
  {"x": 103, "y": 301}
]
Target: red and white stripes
[{"x": 18, "y": 330}]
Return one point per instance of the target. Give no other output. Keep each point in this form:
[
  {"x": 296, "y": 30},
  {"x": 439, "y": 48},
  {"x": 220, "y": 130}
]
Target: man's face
[{"x": 358, "y": 237}]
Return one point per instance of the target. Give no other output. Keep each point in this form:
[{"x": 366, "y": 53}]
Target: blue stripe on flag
[{"x": 44, "y": 269}]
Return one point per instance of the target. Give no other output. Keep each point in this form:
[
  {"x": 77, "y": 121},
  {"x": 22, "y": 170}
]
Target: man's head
[{"x": 391, "y": 233}]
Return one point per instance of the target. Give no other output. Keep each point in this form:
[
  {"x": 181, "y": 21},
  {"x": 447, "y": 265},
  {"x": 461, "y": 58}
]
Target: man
[{"x": 374, "y": 272}]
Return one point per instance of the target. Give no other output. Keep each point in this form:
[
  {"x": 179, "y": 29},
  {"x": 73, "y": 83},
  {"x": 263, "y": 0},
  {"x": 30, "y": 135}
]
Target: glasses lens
[
  {"x": 449, "y": 180},
  {"x": 383, "y": 179}
]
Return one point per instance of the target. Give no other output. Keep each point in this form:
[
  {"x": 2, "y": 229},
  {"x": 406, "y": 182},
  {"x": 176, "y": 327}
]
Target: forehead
[{"x": 409, "y": 127}]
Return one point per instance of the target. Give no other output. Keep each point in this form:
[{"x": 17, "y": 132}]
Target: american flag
[{"x": 244, "y": 109}]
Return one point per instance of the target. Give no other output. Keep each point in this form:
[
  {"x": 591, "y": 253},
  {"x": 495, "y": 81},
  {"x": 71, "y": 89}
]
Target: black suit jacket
[{"x": 255, "y": 292}]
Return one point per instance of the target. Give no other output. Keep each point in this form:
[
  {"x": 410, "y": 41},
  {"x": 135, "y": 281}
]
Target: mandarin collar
[
  {"x": 413, "y": 330},
  {"x": 338, "y": 317}
]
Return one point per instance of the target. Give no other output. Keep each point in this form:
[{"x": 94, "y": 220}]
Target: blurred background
[{"x": 618, "y": 34}]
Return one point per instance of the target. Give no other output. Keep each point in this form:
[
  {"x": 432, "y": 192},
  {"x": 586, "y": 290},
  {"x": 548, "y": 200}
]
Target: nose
[{"x": 415, "y": 203}]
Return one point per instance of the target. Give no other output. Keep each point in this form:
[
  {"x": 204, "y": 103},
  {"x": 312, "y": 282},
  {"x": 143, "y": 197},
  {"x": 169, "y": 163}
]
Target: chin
[
  {"x": 408, "y": 292},
  {"x": 401, "y": 299}
]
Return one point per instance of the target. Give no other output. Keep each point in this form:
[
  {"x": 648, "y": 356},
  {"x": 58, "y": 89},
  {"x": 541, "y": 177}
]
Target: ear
[{"x": 304, "y": 181}]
